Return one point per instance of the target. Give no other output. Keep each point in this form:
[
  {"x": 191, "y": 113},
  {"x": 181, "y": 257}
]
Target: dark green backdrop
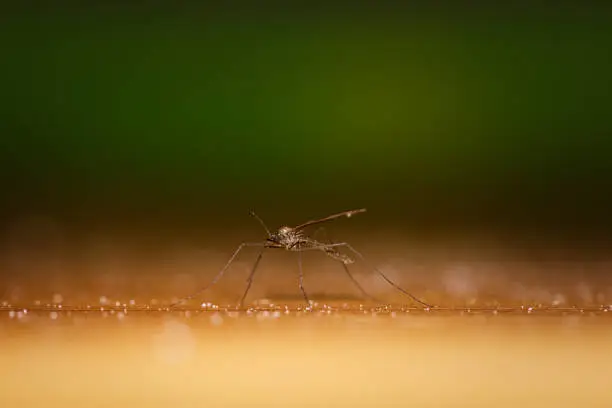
[{"x": 187, "y": 119}]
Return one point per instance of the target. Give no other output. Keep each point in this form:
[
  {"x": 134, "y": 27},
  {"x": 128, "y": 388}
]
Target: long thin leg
[
  {"x": 301, "y": 281},
  {"x": 250, "y": 278},
  {"x": 364, "y": 293},
  {"x": 361, "y": 289},
  {"x": 389, "y": 281},
  {"x": 220, "y": 274}
]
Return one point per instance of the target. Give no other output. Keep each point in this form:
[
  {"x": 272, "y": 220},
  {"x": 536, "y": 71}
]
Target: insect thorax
[
  {"x": 288, "y": 237},
  {"x": 293, "y": 240}
]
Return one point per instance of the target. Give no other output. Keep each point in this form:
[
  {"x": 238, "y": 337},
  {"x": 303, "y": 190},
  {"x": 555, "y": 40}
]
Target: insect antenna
[{"x": 263, "y": 224}]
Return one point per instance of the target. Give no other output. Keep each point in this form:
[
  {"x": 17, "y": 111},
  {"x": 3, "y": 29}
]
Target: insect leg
[
  {"x": 361, "y": 289},
  {"x": 301, "y": 281},
  {"x": 221, "y": 273},
  {"x": 250, "y": 278},
  {"x": 364, "y": 293},
  {"x": 389, "y": 281}
]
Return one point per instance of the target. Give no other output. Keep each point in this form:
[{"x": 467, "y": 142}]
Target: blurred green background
[{"x": 184, "y": 120}]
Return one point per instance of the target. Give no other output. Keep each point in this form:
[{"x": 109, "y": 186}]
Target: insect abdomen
[{"x": 338, "y": 256}]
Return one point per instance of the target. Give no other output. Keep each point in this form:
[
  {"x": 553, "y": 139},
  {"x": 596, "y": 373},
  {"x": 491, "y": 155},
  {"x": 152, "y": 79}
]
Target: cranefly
[{"x": 294, "y": 239}]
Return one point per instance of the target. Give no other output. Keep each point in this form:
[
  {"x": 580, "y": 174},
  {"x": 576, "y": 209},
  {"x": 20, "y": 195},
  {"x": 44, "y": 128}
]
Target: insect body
[
  {"x": 286, "y": 238},
  {"x": 290, "y": 239},
  {"x": 294, "y": 239}
]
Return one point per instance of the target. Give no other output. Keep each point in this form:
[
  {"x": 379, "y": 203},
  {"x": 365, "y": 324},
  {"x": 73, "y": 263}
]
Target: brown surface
[
  {"x": 315, "y": 361},
  {"x": 446, "y": 273}
]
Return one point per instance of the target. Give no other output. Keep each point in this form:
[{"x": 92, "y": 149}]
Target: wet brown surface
[
  {"x": 316, "y": 360},
  {"x": 51, "y": 358}
]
